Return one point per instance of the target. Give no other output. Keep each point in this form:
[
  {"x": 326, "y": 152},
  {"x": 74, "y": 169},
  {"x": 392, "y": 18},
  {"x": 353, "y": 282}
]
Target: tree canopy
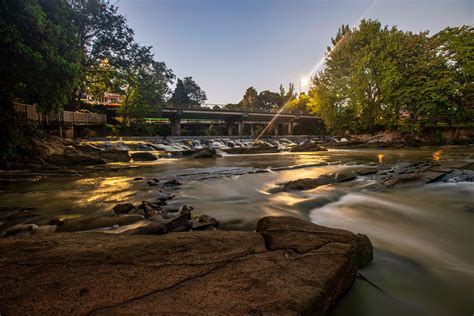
[
  {"x": 378, "y": 76},
  {"x": 39, "y": 59},
  {"x": 187, "y": 93}
]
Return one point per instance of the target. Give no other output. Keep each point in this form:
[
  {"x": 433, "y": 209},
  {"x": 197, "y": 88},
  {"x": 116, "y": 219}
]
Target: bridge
[
  {"x": 235, "y": 118},
  {"x": 65, "y": 120}
]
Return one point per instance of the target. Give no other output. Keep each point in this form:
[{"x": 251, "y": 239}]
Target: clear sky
[{"x": 229, "y": 45}]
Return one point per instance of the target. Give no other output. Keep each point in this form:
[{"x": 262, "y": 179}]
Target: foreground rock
[{"x": 287, "y": 267}]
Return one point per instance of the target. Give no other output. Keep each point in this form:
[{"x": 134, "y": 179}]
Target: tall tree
[
  {"x": 196, "y": 95},
  {"x": 269, "y": 101},
  {"x": 145, "y": 82},
  {"x": 39, "y": 60},
  {"x": 102, "y": 34},
  {"x": 180, "y": 98},
  {"x": 250, "y": 100},
  {"x": 456, "y": 46}
]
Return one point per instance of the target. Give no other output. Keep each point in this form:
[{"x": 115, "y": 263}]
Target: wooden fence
[{"x": 61, "y": 117}]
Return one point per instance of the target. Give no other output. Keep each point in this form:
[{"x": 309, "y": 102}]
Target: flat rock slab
[{"x": 274, "y": 271}]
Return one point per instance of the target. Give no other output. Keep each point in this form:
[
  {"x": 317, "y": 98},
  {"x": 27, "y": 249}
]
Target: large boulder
[{"x": 287, "y": 267}]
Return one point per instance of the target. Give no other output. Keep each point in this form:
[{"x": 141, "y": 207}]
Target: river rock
[
  {"x": 307, "y": 146},
  {"x": 204, "y": 222},
  {"x": 206, "y": 153},
  {"x": 29, "y": 230},
  {"x": 123, "y": 208},
  {"x": 20, "y": 229},
  {"x": 251, "y": 150},
  {"x": 115, "y": 155},
  {"x": 306, "y": 183},
  {"x": 73, "y": 160},
  {"x": 95, "y": 222},
  {"x": 288, "y": 267},
  {"x": 143, "y": 156},
  {"x": 172, "y": 183},
  {"x": 161, "y": 196},
  {"x": 162, "y": 224},
  {"x": 150, "y": 209}
]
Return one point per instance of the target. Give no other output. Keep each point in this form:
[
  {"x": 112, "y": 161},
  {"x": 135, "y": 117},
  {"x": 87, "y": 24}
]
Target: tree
[
  {"x": 456, "y": 46},
  {"x": 268, "y": 101},
  {"x": 102, "y": 34},
  {"x": 145, "y": 82},
  {"x": 180, "y": 98},
  {"x": 287, "y": 96},
  {"x": 196, "y": 95},
  {"x": 39, "y": 60},
  {"x": 300, "y": 104},
  {"x": 372, "y": 73},
  {"x": 250, "y": 100}
]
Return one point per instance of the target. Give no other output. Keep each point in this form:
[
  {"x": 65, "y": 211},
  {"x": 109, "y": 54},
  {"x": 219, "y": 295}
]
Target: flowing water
[{"x": 424, "y": 258}]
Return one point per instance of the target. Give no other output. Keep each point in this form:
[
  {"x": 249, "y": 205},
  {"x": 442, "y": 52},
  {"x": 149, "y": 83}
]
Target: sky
[{"x": 230, "y": 45}]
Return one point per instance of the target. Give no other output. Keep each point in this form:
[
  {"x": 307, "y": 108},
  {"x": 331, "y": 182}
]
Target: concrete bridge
[{"x": 236, "y": 118}]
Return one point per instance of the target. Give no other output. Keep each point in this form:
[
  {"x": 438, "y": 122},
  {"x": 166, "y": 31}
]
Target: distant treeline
[{"x": 380, "y": 77}]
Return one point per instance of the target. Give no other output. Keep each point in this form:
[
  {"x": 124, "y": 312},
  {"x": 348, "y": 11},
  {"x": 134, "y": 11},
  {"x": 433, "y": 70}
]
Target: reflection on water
[
  {"x": 380, "y": 157},
  {"x": 437, "y": 155},
  {"x": 424, "y": 258}
]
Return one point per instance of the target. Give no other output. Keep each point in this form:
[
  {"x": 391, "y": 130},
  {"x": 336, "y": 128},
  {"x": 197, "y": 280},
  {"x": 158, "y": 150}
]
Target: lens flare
[{"x": 323, "y": 59}]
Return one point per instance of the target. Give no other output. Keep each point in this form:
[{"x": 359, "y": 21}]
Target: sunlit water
[{"x": 424, "y": 259}]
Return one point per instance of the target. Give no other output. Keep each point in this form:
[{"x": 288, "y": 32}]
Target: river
[{"x": 424, "y": 258}]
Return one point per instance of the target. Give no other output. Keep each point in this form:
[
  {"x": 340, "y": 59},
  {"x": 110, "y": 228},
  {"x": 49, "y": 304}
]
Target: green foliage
[
  {"x": 187, "y": 94},
  {"x": 196, "y": 95},
  {"x": 375, "y": 74},
  {"x": 266, "y": 100},
  {"x": 39, "y": 59},
  {"x": 180, "y": 98}
]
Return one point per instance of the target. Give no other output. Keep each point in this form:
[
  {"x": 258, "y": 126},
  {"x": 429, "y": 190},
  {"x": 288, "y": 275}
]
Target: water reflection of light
[
  {"x": 117, "y": 188},
  {"x": 380, "y": 157},
  {"x": 437, "y": 155}
]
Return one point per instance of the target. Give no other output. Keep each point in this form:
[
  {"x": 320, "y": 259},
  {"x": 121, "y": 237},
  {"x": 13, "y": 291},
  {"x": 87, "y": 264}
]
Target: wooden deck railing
[{"x": 61, "y": 117}]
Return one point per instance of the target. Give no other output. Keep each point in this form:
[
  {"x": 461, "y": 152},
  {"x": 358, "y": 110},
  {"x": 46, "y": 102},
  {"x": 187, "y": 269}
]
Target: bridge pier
[
  {"x": 240, "y": 128},
  {"x": 229, "y": 129},
  {"x": 276, "y": 129},
  {"x": 252, "y": 130},
  {"x": 291, "y": 126},
  {"x": 175, "y": 127},
  {"x": 66, "y": 131}
]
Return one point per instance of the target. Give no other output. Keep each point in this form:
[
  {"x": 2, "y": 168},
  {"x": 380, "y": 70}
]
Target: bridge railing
[
  {"x": 61, "y": 117},
  {"x": 221, "y": 108}
]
